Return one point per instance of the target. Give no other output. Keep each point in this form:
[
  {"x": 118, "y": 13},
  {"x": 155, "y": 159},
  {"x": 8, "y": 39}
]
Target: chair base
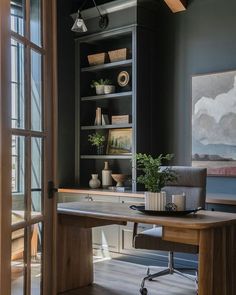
[{"x": 168, "y": 271}]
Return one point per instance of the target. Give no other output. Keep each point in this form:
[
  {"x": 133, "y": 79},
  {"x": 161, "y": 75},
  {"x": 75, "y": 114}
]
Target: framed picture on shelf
[{"x": 119, "y": 141}]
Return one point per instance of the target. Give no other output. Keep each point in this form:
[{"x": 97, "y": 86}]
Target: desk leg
[
  {"x": 217, "y": 261},
  {"x": 74, "y": 257}
]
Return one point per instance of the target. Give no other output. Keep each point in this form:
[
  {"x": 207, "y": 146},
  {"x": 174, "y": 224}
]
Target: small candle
[{"x": 179, "y": 201}]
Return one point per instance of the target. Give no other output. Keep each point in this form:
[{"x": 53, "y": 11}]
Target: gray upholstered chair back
[{"x": 192, "y": 182}]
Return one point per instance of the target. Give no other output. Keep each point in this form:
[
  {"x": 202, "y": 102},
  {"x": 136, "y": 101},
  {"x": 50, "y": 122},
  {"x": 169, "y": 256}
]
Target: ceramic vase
[
  {"x": 106, "y": 176},
  {"x": 99, "y": 89},
  {"x": 94, "y": 181},
  {"x": 100, "y": 150},
  {"x": 109, "y": 89}
]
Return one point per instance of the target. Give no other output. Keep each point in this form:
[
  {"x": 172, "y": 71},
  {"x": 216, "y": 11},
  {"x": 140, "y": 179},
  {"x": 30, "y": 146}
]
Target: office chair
[{"x": 192, "y": 182}]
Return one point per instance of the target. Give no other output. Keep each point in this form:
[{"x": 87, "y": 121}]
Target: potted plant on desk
[{"x": 154, "y": 178}]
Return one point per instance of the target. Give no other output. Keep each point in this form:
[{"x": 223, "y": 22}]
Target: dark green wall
[
  {"x": 200, "y": 40},
  {"x": 66, "y": 95}
]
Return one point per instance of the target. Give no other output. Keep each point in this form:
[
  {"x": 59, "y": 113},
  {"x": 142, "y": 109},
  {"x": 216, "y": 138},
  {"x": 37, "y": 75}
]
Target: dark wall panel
[
  {"x": 66, "y": 95},
  {"x": 200, "y": 40}
]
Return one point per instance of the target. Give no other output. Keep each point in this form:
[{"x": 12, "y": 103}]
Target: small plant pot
[
  {"x": 99, "y": 89},
  {"x": 109, "y": 89},
  {"x": 100, "y": 150}
]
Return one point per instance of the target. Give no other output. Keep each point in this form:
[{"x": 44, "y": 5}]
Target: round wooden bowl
[{"x": 119, "y": 178}]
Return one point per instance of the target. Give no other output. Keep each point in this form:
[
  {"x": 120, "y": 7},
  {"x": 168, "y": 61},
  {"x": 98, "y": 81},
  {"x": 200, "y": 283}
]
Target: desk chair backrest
[{"x": 192, "y": 182}]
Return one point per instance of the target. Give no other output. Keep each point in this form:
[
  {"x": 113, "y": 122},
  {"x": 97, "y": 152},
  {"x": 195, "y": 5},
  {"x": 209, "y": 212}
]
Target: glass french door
[{"x": 31, "y": 98}]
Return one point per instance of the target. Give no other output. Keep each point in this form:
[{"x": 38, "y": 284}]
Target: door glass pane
[
  {"x": 36, "y": 259},
  {"x": 35, "y": 21},
  {"x": 36, "y": 175},
  {"x": 18, "y": 178},
  {"x": 17, "y": 262},
  {"x": 17, "y": 16},
  {"x": 36, "y": 91},
  {"x": 17, "y": 84}
]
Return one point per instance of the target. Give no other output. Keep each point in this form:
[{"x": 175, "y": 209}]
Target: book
[
  {"x": 105, "y": 119},
  {"x": 98, "y": 119}
]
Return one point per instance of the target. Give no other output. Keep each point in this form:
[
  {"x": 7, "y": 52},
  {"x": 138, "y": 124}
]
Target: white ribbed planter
[{"x": 155, "y": 201}]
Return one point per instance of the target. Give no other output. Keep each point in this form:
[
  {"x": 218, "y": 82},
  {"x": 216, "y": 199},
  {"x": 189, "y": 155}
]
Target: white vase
[
  {"x": 106, "y": 176},
  {"x": 99, "y": 89},
  {"x": 155, "y": 201},
  {"x": 94, "y": 181},
  {"x": 109, "y": 89}
]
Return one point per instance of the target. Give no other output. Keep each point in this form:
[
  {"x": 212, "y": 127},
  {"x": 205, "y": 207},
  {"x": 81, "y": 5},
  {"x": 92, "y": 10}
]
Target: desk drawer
[{"x": 181, "y": 235}]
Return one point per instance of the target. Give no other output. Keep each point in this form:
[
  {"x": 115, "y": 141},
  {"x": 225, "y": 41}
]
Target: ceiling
[{"x": 89, "y": 3}]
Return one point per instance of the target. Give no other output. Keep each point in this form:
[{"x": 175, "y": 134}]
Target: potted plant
[
  {"x": 97, "y": 140},
  {"x": 154, "y": 177},
  {"x": 103, "y": 86}
]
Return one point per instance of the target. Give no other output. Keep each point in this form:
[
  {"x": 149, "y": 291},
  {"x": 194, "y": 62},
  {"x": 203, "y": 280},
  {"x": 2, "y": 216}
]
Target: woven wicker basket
[
  {"x": 118, "y": 55},
  {"x": 97, "y": 59}
]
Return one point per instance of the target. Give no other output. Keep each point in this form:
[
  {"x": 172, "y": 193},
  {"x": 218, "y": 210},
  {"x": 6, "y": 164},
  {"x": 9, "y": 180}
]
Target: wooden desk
[{"x": 213, "y": 232}]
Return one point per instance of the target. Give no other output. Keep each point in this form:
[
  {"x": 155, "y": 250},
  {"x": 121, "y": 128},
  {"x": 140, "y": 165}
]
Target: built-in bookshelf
[{"x": 135, "y": 100}]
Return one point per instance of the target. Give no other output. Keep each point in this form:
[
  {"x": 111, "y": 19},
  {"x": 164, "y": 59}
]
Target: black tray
[{"x": 163, "y": 213}]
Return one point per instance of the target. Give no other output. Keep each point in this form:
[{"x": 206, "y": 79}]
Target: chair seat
[{"x": 151, "y": 239}]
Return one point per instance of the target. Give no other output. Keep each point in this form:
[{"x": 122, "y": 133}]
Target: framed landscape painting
[
  {"x": 214, "y": 123},
  {"x": 119, "y": 141}
]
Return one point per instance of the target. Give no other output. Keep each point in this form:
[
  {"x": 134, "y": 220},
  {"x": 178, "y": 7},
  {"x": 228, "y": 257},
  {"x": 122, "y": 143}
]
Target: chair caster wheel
[{"x": 143, "y": 291}]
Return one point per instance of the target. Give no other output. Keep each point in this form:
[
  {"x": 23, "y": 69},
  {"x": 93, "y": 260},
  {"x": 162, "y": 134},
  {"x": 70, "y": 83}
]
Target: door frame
[
  {"x": 5, "y": 151},
  {"x": 50, "y": 33}
]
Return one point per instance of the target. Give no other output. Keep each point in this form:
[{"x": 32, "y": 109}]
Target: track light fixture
[{"x": 79, "y": 25}]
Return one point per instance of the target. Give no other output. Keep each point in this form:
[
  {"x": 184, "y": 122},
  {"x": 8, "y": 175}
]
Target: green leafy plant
[
  {"x": 100, "y": 82},
  {"x": 153, "y": 176},
  {"x": 96, "y": 139}
]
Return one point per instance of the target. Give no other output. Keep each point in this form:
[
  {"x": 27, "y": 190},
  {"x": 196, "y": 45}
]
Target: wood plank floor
[{"x": 114, "y": 277}]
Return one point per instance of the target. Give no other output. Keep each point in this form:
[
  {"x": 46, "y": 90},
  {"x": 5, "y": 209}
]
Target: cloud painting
[{"x": 214, "y": 123}]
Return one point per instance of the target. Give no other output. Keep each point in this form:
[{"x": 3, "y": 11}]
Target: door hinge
[{"x": 51, "y": 189}]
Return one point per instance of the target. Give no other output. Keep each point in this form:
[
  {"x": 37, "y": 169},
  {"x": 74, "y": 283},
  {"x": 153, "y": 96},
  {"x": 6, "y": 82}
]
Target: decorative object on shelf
[
  {"x": 100, "y": 84},
  {"x": 154, "y": 178},
  {"x": 119, "y": 141},
  {"x": 98, "y": 118},
  {"x": 118, "y": 55},
  {"x": 108, "y": 89},
  {"x": 105, "y": 120},
  {"x": 119, "y": 179},
  {"x": 121, "y": 119},
  {"x": 106, "y": 176},
  {"x": 179, "y": 201},
  {"x": 97, "y": 139},
  {"x": 94, "y": 182},
  {"x": 123, "y": 79},
  {"x": 97, "y": 59}
]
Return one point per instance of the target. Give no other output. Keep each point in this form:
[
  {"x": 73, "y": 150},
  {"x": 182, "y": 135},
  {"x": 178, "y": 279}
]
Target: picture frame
[
  {"x": 213, "y": 123},
  {"x": 119, "y": 141}
]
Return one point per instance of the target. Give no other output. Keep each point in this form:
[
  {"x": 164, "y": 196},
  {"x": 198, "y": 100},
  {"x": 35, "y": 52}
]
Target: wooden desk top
[{"x": 122, "y": 213}]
